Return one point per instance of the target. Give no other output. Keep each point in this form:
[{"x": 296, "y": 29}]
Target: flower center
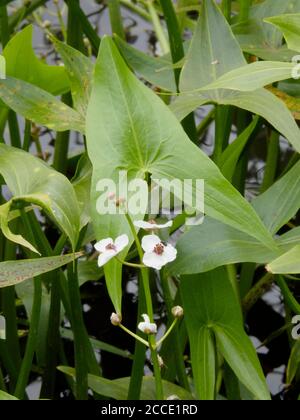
[
  {"x": 111, "y": 247},
  {"x": 159, "y": 249}
]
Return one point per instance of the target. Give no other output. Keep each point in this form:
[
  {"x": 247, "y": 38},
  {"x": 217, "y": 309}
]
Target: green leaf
[
  {"x": 89, "y": 271},
  {"x": 232, "y": 153},
  {"x": 14, "y": 272},
  {"x": 213, "y": 244},
  {"x": 25, "y": 292},
  {"x": 148, "y": 139},
  {"x": 213, "y": 51},
  {"x": 157, "y": 71},
  {"x": 289, "y": 25},
  {"x": 213, "y": 306},
  {"x": 4, "y": 225},
  {"x": 23, "y": 64},
  {"x": 118, "y": 388},
  {"x": 39, "y": 106},
  {"x": 80, "y": 71},
  {"x": 258, "y": 38},
  {"x": 7, "y": 397},
  {"x": 259, "y": 102},
  {"x": 82, "y": 186},
  {"x": 294, "y": 363},
  {"x": 280, "y": 203},
  {"x": 252, "y": 76},
  {"x": 288, "y": 263},
  {"x": 33, "y": 181}
]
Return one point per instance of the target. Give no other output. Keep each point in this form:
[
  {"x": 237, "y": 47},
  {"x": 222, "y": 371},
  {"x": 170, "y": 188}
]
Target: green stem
[
  {"x": 136, "y": 9},
  {"x": 34, "y": 322},
  {"x": 244, "y": 10},
  {"x": 14, "y": 131},
  {"x": 261, "y": 287},
  {"x": 137, "y": 372},
  {"x": 205, "y": 123},
  {"x": 158, "y": 27},
  {"x": 291, "y": 302},
  {"x": 176, "y": 345},
  {"x": 226, "y": 7},
  {"x": 166, "y": 335},
  {"x": 222, "y": 132},
  {"x": 77, "y": 326},
  {"x": 177, "y": 53},
  {"x": 135, "y": 336},
  {"x": 31, "y": 341},
  {"x": 5, "y": 32},
  {"x": 53, "y": 338},
  {"x": 27, "y": 136},
  {"x": 87, "y": 28},
  {"x": 116, "y": 18},
  {"x": 272, "y": 161},
  {"x": 2, "y": 383},
  {"x": 128, "y": 264},
  {"x": 149, "y": 306},
  {"x": 9, "y": 310}
]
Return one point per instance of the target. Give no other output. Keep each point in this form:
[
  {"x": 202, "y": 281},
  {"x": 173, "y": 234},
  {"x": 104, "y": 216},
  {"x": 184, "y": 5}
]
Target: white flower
[
  {"x": 151, "y": 225},
  {"x": 109, "y": 249},
  {"x": 147, "y": 327},
  {"x": 157, "y": 254}
]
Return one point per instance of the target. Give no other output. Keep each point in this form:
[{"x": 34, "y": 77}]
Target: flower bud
[
  {"x": 177, "y": 312},
  {"x": 160, "y": 361},
  {"x": 115, "y": 319}
]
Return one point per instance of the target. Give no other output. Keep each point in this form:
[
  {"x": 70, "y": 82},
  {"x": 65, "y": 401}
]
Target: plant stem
[
  {"x": 14, "y": 131},
  {"x": 77, "y": 326},
  {"x": 177, "y": 53},
  {"x": 136, "y": 337},
  {"x": 116, "y": 18},
  {"x": 136, "y": 9},
  {"x": 158, "y": 27},
  {"x": 85, "y": 24},
  {"x": 290, "y": 301},
  {"x": 2, "y": 383},
  {"x": 27, "y": 136},
  {"x": 31, "y": 341},
  {"x": 149, "y": 306},
  {"x": 4, "y": 26},
  {"x": 244, "y": 10},
  {"x": 226, "y": 7},
  {"x": 137, "y": 372},
  {"x": 272, "y": 161},
  {"x": 9, "y": 310},
  {"x": 34, "y": 322},
  {"x": 179, "y": 362},
  {"x": 166, "y": 335},
  {"x": 261, "y": 287}
]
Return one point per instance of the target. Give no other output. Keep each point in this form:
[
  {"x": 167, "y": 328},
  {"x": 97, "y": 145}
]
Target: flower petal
[
  {"x": 105, "y": 257},
  {"x": 149, "y": 242},
  {"x": 170, "y": 253},
  {"x": 146, "y": 318},
  {"x": 101, "y": 245},
  {"x": 151, "y": 259},
  {"x": 147, "y": 328},
  {"x": 151, "y": 226},
  {"x": 121, "y": 242}
]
